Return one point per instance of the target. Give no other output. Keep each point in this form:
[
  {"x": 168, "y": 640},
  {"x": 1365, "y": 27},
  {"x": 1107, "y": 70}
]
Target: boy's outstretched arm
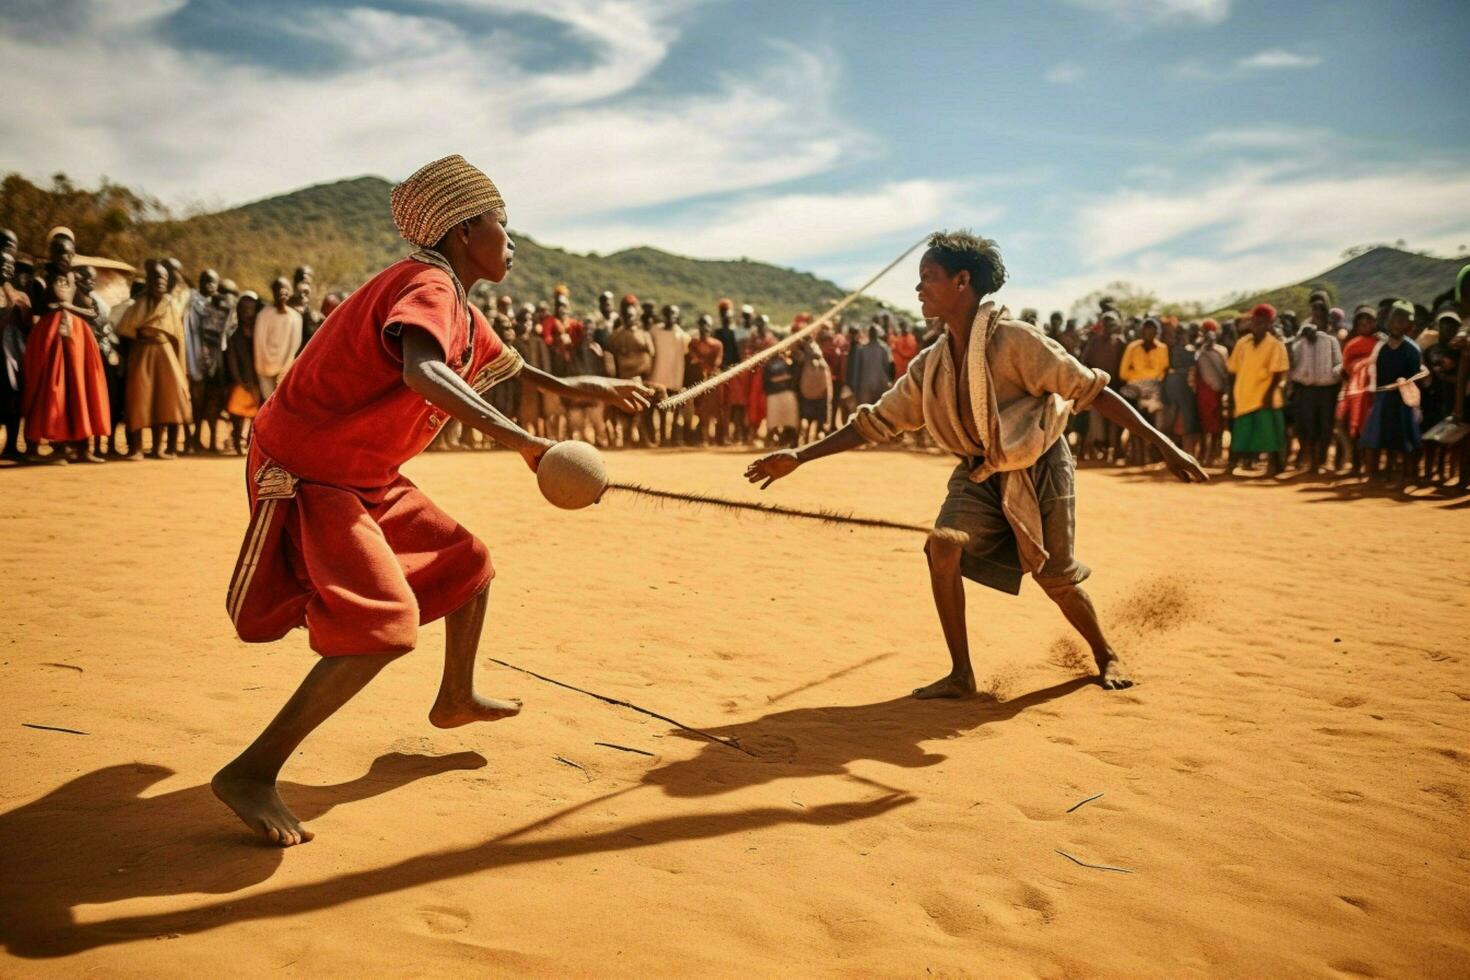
[
  {"x": 776, "y": 465},
  {"x": 630, "y": 396},
  {"x": 1116, "y": 410}
]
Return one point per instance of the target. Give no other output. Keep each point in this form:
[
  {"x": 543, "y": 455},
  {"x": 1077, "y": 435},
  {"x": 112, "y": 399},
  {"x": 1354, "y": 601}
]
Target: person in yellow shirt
[
  {"x": 1259, "y": 363},
  {"x": 1145, "y": 359},
  {"x": 1144, "y": 365}
]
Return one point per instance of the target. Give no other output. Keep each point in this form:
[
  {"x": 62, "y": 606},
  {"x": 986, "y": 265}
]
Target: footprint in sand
[
  {"x": 1447, "y": 792},
  {"x": 951, "y": 916},
  {"x": 1119, "y": 759},
  {"x": 1038, "y": 813},
  {"x": 1351, "y": 701},
  {"x": 1347, "y": 732},
  {"x": 1013, "y": 904},
  {"x": 1354, "y": 968},
  {"x": 1035, "y": 900},
  {"x": 442, "y": 920}
]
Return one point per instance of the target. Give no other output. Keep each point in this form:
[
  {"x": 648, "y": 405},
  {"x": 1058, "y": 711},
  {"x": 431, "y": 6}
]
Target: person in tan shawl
[
  {"x": 997, "y": 393},
  {"x": 157, "y": 390}
]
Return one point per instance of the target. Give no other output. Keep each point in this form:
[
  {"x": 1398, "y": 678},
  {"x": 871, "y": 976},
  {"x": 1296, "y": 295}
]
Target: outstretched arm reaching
[
  {"x": 776, "y": 465},
  {"x": 1116, "y": 410},
  {"x": 630, "y": 396}
]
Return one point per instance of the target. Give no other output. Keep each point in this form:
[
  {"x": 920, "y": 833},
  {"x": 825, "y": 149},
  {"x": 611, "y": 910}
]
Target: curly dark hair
[{"x": 956, "y": 250}]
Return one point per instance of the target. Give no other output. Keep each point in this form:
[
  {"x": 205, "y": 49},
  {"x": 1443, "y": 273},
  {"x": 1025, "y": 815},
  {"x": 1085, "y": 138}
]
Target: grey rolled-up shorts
[{"x": 990, "y": 556}]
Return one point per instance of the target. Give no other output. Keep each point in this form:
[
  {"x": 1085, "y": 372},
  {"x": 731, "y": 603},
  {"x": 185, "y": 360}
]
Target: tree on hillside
[
  {"x": 1128, "y": 300},
  {"x": 1185, "y": 310},
  {"x": 1293, "y": 298},
  {"x": 109, "y": 221}
]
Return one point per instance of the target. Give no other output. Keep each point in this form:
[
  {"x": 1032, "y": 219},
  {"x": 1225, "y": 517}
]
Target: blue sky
[{"x": 1194, "y": 147}]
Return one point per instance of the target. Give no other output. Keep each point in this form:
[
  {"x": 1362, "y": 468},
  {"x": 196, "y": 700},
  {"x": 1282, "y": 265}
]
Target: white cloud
[
  {"x": 1252, "y": 227},
  {"x": 786, "y": 228},
  {"x": 113, "y": 14},
  {"x": 1064, "y": 73},
  {"x": 192, "y": 125},
  {"x": 1160, "y": 11},
  {"x": 1278, "y": 59},
  {"x": 1289, "y": 138}
]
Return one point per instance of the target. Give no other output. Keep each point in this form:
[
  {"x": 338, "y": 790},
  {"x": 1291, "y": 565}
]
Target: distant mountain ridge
[
  {"x": 345, "y": 232},
  {"x": 1376, "y": 274}
]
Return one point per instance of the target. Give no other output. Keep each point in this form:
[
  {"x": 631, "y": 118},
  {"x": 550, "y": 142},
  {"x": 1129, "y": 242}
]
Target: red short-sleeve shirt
[{"x": 342, "y": 414}]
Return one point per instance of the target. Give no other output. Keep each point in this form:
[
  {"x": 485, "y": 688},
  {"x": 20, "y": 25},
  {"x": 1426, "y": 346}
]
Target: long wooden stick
[{"x": 761, "y": 357}]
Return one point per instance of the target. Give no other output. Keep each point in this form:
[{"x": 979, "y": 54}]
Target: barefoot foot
[
  {"x": 1112, "y": 675},
  {"x": 952, "y": 686},
  {"x": 256, "y": 802},
  {"x": 452, "y": 714}
]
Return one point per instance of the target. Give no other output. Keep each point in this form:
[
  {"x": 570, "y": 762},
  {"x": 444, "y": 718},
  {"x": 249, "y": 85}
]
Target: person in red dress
[
  {"x": 755, "y": 393},
  {"x": 64, "y": 394},
  {"x": 339, "y": 541}
]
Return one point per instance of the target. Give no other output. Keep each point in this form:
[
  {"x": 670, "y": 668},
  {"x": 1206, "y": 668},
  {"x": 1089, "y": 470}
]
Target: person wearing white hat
[{"x": 339, "y": 541}]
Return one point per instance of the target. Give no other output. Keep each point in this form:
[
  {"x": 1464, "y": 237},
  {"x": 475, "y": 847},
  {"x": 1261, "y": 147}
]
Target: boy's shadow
[
  {"x": 115, "y": 843},
  {"x": 826, "y": 740}
]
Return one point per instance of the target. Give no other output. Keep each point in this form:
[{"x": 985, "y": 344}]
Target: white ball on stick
[{"x": 572, "y": 475}]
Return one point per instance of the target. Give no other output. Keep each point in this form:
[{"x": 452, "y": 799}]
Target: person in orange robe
[
  {"x": 340, "y": 541},
  {"x": 65, "y": 388},
  {"x": 755, "y": 392},
  {"x": 904, "y": 347}
]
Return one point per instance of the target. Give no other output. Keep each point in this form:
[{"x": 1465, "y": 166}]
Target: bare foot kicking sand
[
  {"x": 1112, "y": 675},
  {"x": 452, "y": 715},
  {"x": 952, "y": 686},
  {"x": 256, "y": 802}
]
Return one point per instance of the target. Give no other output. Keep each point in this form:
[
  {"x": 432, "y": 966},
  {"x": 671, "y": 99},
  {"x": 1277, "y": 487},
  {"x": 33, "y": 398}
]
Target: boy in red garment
[{"x": 339, "y": 541}]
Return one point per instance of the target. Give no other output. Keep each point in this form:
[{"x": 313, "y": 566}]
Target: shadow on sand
[{"x": 97, "y": 839}]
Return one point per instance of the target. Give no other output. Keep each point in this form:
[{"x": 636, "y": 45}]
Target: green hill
[
  {"x": 344, "y": 231},
  {"x": 1374, "y": 274}
]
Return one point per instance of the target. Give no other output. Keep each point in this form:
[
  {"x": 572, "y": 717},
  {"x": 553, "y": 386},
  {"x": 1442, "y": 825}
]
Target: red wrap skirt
[
  {"x": 1211, "y": 409},
  {"x": 362, "y": 570}
]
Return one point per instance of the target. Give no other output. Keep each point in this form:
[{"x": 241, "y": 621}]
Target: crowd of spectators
[{"x": 182, "y": 366}]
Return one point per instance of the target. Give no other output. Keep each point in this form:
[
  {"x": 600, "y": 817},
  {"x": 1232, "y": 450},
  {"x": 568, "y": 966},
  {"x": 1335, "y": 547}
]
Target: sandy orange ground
[{"x": 1288, "y": 785}]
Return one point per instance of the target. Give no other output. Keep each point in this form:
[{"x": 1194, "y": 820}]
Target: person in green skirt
[{"x": 1259, "y": 363}]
